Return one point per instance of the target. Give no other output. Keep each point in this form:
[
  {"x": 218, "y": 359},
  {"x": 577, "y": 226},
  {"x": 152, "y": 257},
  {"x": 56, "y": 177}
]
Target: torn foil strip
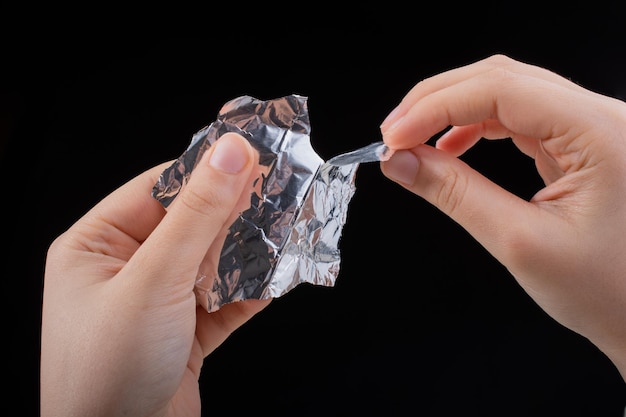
[
  {"x": 373, "y": 152},
  {"x": 290, "y": 233}
]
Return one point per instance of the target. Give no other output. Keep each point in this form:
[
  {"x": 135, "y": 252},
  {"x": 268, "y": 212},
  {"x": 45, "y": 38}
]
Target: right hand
[{"x": 567, "y": 245}]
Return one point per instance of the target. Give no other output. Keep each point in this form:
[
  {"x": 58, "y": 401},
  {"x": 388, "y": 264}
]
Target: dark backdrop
[{"x": 422, "y": 320}]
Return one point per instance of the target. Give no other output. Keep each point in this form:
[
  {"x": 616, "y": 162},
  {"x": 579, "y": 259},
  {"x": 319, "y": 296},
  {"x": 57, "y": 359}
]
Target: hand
[
  {"x": 121, "y": 331},
  {"x": 567, "y": 245}
]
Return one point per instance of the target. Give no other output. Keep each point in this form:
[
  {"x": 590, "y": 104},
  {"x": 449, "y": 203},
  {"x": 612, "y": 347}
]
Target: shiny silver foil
[{"x": 290, "y": 233}]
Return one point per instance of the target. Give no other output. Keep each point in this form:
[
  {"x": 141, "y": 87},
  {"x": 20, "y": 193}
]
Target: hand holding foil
[{"x": 290, "y": 233}]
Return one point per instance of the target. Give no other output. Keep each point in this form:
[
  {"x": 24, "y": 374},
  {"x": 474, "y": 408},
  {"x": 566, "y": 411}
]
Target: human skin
[
  {"x": 122, "y": 333},
  {"x": 566, "y": 246}
]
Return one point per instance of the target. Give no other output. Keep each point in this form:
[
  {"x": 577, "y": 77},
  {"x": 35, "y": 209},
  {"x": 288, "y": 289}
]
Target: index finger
[{"x": 523, "y": 98}]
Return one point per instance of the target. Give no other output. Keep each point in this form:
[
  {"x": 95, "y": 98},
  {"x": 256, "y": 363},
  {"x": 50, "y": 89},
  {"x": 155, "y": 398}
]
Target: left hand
[{"x": 122, "y": 333}]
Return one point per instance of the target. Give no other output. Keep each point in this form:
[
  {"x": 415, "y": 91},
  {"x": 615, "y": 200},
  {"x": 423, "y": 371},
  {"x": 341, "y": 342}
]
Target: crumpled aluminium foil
[{"x": 290, "y": 233}]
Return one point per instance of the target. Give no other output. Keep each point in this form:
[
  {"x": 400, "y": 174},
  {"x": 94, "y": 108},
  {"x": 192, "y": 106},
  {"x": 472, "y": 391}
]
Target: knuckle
[
  {"x": 207, "y": 204},
  {"x": 501, "y": 68},
  {"x": 451, "y": 193},
  {"x": 500, "y": 60}
]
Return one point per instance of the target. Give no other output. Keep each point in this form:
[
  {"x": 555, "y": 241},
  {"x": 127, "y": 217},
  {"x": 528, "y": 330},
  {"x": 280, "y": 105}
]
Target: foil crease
[{"x": 290, "y": 233}]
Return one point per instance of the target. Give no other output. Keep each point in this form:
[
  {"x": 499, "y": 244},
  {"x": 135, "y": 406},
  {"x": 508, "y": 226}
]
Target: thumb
[
  {"x": 173, "y": 252},
  {"x": 480, "y": 206}
]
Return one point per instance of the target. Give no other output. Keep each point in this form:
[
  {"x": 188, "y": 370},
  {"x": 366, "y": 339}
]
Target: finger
[
  {"x": 480, "y": 206},
  {"x": 479, "y": 68},
  {"x": 203, "y": 207},
  {"x": 130, "y": 208},
  {"x": 458, "y": 139},
  {"x": 513, "y": 99},
  {"x": 212, "y": 329},
  {"x": 115, "y": 226},
  {"x": 454, "y": 76}
]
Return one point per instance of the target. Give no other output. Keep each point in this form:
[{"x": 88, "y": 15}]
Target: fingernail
[
  {"x": 391, "y": 120},
  {"x": 402, "y": 167},
  {"x": 230, "y": 154}
]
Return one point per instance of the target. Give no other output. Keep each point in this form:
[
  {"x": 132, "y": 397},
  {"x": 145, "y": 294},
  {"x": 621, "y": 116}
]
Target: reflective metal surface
[{"x": 290, "y": 233}]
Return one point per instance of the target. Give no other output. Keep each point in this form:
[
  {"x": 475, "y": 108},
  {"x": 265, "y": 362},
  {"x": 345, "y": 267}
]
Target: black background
[{"x": 422, "y": 320}]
